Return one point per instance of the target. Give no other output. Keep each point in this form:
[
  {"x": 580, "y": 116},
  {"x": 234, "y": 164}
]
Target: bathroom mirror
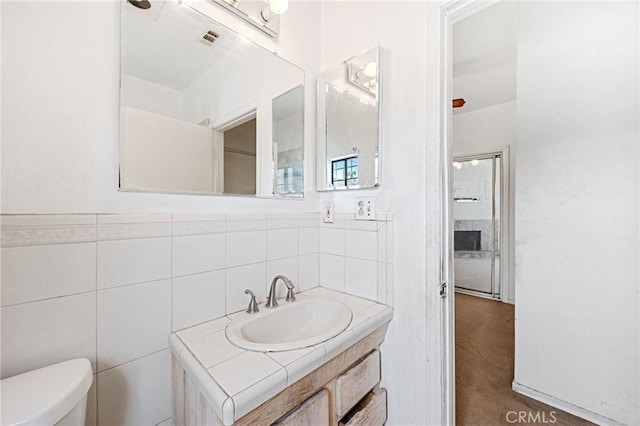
[
  {"x": 204, "y": 110},
  {"x": 288, "y": 154},
  {"x": 349, "y": 124}
]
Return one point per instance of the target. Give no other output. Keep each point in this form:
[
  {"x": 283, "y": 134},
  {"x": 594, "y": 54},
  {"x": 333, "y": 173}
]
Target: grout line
[
  {"x": 134, "y": 284},
  {"x": 50, "y": 298},
  {"x": 134, "y": 360}
]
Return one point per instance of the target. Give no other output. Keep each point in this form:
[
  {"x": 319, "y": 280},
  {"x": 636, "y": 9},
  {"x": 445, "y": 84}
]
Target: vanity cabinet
[{"x": 345, "y": 390}]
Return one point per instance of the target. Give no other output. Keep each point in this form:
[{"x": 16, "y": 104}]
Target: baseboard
[
  {"x": 475, "y": 293},
  {"x": 563, "y": 405}
]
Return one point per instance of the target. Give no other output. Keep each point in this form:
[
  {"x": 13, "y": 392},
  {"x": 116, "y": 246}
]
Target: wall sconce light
[
  {"x": 264, "y": 17},
  {"x": 363, "y": 78},
  {"x": 273, "y": 8}
]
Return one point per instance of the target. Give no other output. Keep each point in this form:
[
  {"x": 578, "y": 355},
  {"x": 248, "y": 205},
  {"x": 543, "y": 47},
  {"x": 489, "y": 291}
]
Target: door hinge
[{"x": 443, "y": 290}]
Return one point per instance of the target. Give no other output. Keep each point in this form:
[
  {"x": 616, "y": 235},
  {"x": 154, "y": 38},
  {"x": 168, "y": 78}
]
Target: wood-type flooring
[{"x": 484, "y": 369}]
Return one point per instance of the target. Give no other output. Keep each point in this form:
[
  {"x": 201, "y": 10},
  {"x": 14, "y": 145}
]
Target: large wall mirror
[
  {"x": 349, "y": 124},
  {"x": 203, "y": 110}
]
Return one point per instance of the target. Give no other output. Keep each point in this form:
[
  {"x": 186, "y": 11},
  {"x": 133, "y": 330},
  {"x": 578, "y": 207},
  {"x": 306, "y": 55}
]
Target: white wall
[
  {"x": 407, "y": 33},
  {"x": 161, "y": 154},
  {"x": 148, "y": 96},
  {"x": 577, "y": 237}
]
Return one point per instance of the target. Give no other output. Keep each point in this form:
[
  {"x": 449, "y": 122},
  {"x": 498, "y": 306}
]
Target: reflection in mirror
[
  {"x": 197, "y": 102},
  {"x": 288, "y": 154},
  {"x": 348, "y": 123}
]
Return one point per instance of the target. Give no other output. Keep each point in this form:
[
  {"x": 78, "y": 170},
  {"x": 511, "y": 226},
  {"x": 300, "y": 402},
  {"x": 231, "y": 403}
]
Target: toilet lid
[{"x": 46, "y": 395}]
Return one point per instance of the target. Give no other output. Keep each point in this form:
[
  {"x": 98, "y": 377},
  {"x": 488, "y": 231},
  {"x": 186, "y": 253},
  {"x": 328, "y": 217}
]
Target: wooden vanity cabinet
[
  {"x": 343, "y": 391},
  {"x": 349, "y": 378}
]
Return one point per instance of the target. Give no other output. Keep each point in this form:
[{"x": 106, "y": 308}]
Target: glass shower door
[{"x": 476, "y": 183}]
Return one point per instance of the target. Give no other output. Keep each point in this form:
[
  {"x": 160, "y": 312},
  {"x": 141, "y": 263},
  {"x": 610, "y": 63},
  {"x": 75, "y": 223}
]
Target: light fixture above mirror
[
  {"x": 264, "y": 15},
  {"x": 349, "y": 123}
]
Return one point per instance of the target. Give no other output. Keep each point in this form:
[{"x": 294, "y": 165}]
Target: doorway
[{"x": 477, "y": 224}]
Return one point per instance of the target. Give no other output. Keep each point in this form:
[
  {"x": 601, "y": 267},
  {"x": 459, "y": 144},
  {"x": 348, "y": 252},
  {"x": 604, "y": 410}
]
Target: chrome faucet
[
  {"x": 271, "y": 298},
  {"x": 253, "y": 305}
]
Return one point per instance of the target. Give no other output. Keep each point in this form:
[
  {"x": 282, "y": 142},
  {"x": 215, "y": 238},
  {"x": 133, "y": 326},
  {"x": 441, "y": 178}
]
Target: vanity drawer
[
  {"x": 356, "y": 382},
  {"x": 314, "y": 411},
  {"x": 371, "y": 411}
]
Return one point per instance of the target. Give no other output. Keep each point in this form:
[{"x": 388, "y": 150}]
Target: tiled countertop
[{"x": 236, "y": 381}]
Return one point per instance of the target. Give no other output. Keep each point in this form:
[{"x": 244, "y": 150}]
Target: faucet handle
[
  {"x": 291, "y": 296},
  {"x": 253, "y": 305}
]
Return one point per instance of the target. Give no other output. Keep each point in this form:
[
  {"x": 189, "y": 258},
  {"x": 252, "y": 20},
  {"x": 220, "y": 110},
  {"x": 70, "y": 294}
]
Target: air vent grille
[{"x": 209, "y": 37}]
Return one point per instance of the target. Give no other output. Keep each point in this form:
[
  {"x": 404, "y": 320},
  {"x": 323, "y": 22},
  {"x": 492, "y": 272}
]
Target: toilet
[{"x": 53, "y": 395}]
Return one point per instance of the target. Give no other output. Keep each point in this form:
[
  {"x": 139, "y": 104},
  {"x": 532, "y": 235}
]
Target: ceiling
[
  {"x": 164, "y": 43},
  {"x": 484, "y": 57}
]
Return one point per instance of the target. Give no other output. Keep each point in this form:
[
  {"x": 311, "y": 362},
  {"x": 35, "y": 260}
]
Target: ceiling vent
[{"x": 209, "y": 38}]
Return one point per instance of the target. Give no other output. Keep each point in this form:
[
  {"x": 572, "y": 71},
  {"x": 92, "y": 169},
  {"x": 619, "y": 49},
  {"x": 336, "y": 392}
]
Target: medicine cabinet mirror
[
  {"x": 204, "y": 110},
  {"x": 349, "y": 124}
]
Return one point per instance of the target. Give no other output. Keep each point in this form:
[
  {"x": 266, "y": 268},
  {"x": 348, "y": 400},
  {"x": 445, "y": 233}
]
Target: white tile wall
[
  {"x": 198, "y": 253},
  {"x": 308, "y": 271},
  {"x": 246, "y": 247},
  {"x": 33, "y": 273},
  {"x": 112, "y": 287},
  {"x": 41, "y": 333},
  {"x": 361, "y": 278},
  {"x": 123, "y": 262},
  {"x": 250, "y": 277},
  {"x": 282, "y": 243},
  {"x": 198, "y": 298},
  {"x": 332, "y": 240},
  {"x": 332, "y": 271},
  {"x": 133, "y": 321},
  {"x": 136, "y": 393},
  {"x": 356, "y": 256}
]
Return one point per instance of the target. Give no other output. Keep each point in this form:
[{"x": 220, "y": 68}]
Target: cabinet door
[
  {"x": 353, "y": 385},
  {"x": 314, "y": 411}
]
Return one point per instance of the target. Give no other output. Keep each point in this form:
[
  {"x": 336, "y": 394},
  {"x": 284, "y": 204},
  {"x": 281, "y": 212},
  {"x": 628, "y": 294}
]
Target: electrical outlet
[
  {"x": 328, "y": 213},
  {"x": 365, "y": 208}
]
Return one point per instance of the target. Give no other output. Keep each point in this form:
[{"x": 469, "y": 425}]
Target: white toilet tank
[{"x": 53, "y": 395}]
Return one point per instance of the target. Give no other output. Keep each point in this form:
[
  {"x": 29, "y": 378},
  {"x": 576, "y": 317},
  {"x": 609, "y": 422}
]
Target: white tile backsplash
[
  {"x": 123, "y": 262},
  {"x": 198, "y": 253},
  {"x": 332, "y": 240},
  {"x": 361, "y": 244},
  {"x": 361, "y": 278},
  {"x": 111, "y": 287},
  {"x": 33, "y": 273},
  {"x": 198, "y": 298},
  {"x": 136, "y": 393},
  {"x": 250, "y": 277},
  {"x": 309, "y": 241},
  {"x": 244, "y": 248},
  {"x": 308, "y": 271},
  {"x": 332, "y": 271},
  {"x": 41, "y": 333},
  {"x": 133, "y": 321},
  {"x": 282, "y": 243}
]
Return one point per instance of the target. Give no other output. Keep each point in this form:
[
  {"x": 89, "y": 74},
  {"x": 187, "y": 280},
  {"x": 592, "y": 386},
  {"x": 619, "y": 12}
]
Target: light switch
[
  {"x": 365, "y": 208},
  {"x": 328, "y": 213}
]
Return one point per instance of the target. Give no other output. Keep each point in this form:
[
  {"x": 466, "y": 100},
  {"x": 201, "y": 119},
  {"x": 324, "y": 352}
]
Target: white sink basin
[{"x": 289, "y": 326}]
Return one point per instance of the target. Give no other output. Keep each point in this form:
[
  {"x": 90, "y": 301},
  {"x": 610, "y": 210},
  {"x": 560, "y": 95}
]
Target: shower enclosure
[{"x": 476, "y": 224}]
